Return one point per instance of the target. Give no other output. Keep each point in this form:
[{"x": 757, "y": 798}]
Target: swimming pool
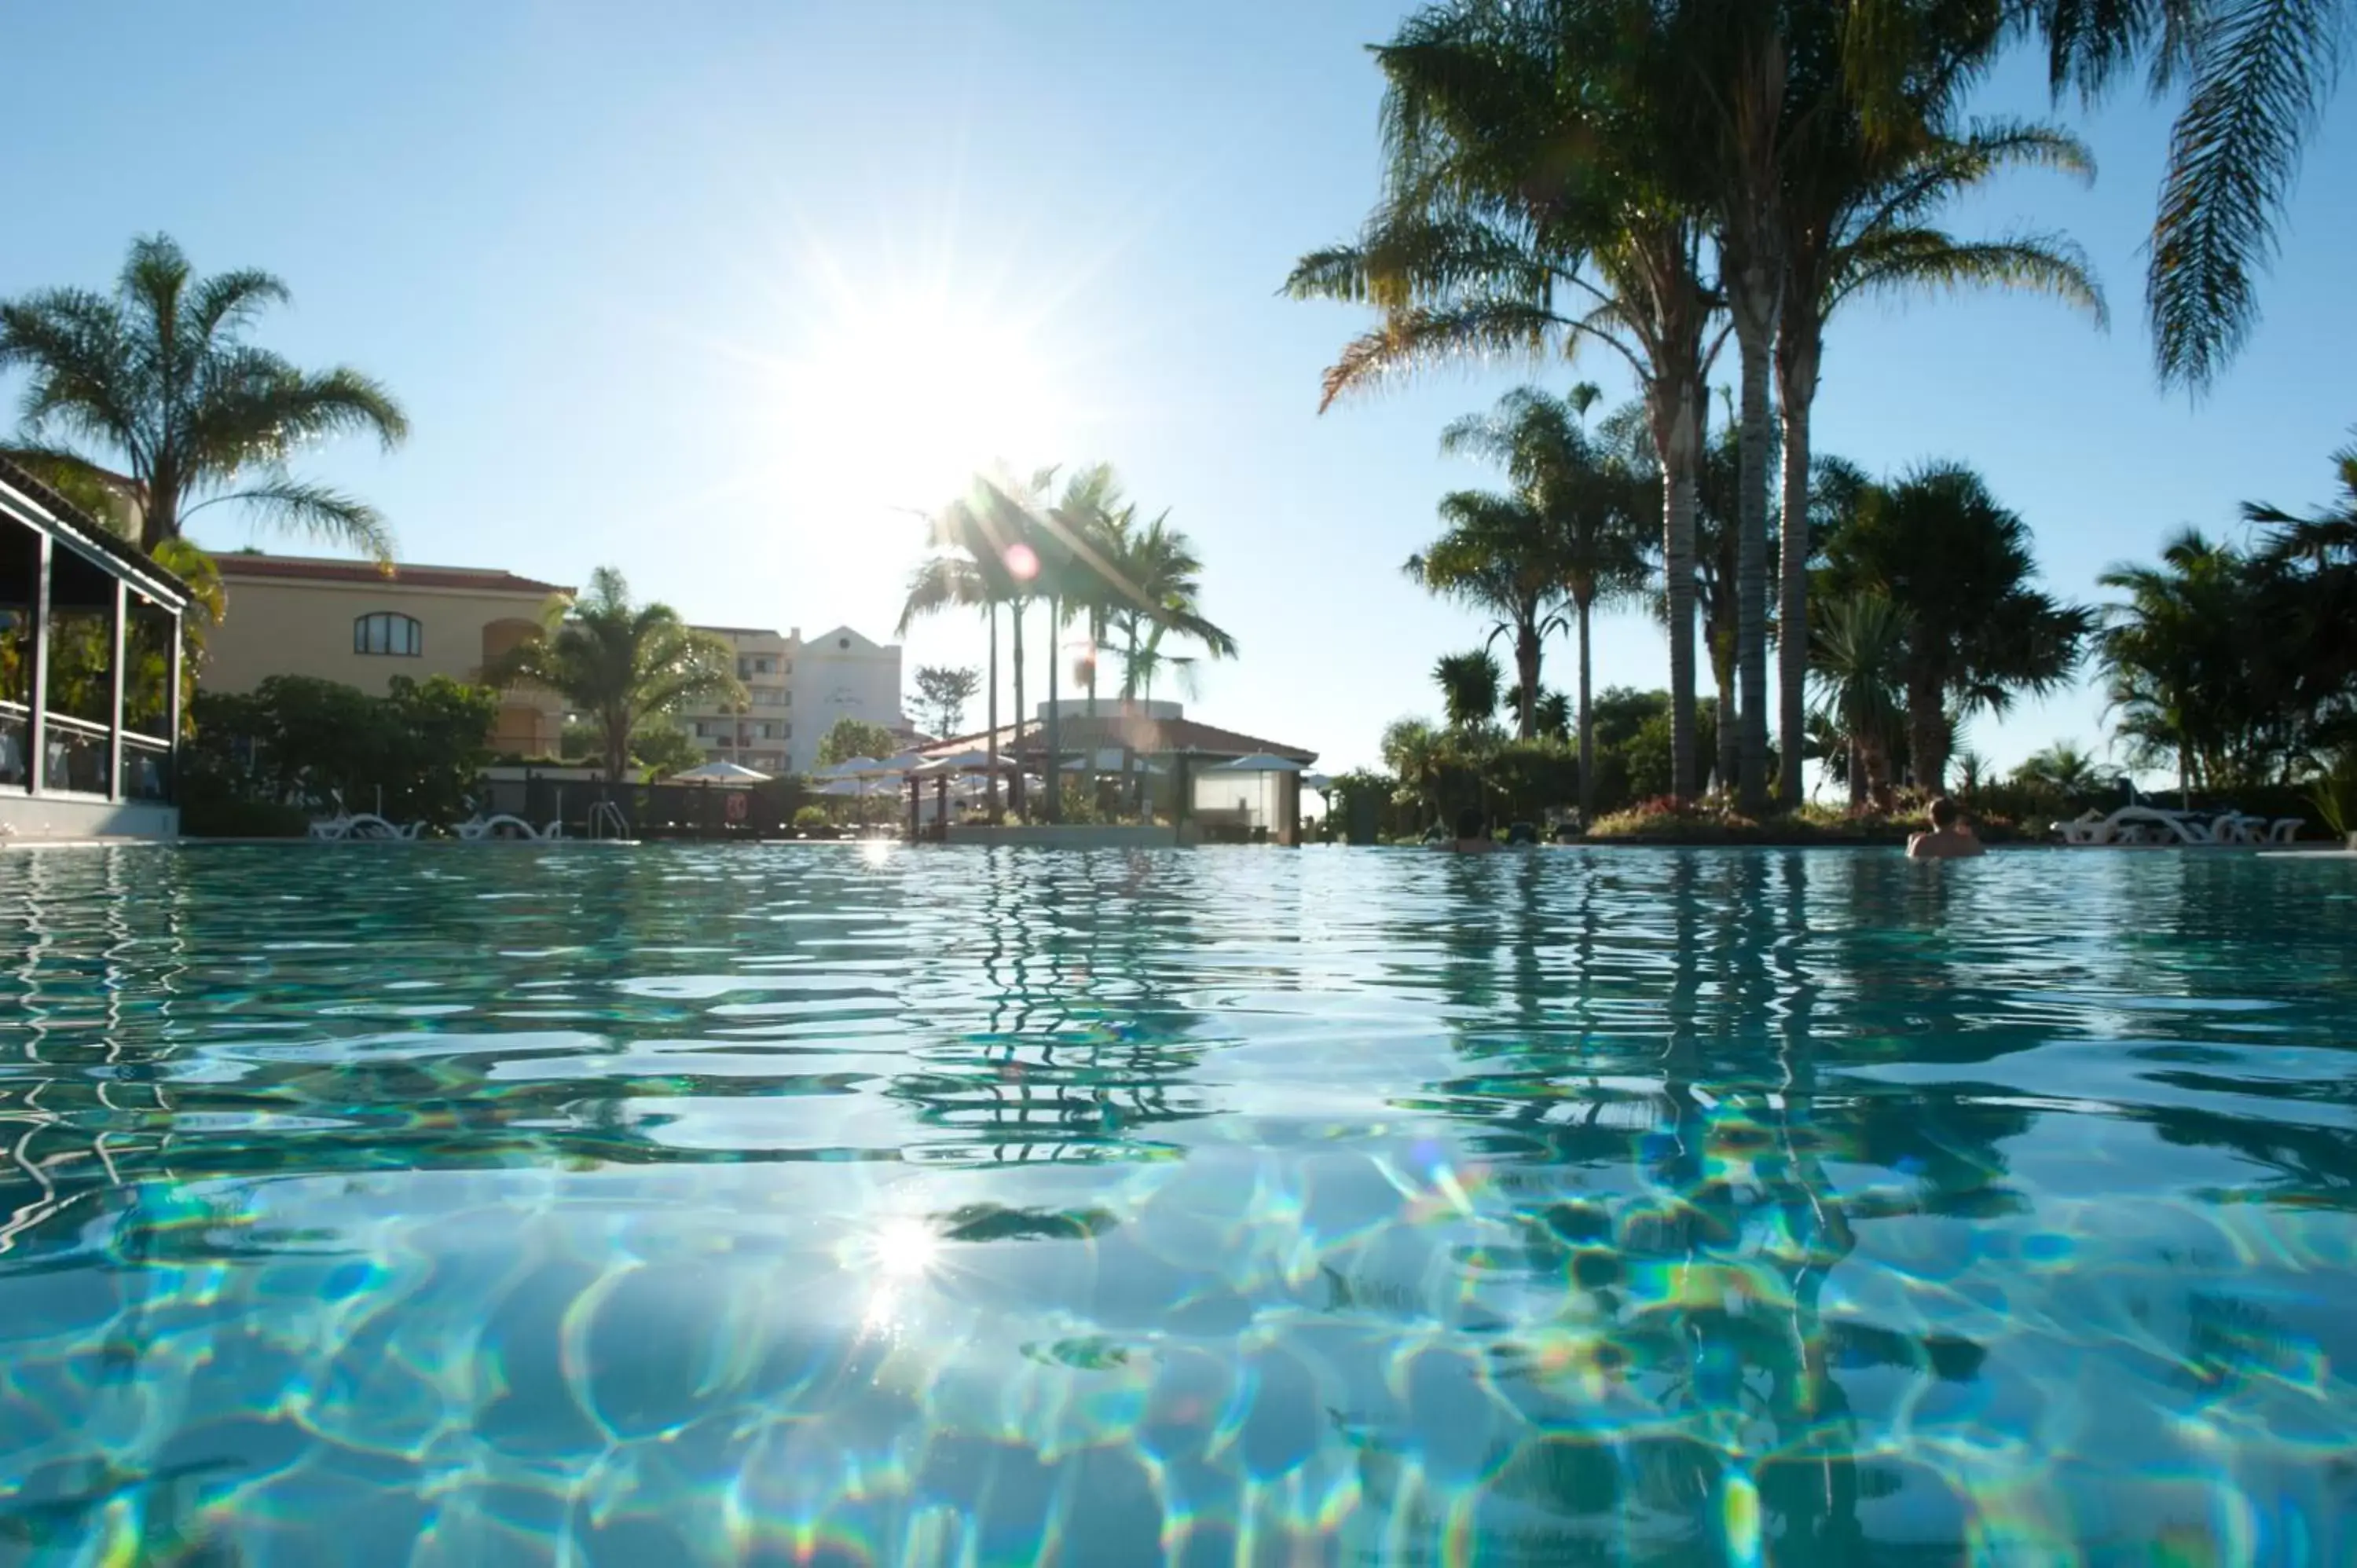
[{"x": 499, "y": 1204}]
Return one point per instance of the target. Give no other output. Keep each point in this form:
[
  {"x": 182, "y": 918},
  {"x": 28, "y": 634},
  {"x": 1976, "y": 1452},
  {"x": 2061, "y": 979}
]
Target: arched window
[{"x": 386, "y": 632}]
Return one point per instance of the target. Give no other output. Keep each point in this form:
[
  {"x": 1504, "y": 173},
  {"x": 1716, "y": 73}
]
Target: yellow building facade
[{"x": 352, "y": 622}]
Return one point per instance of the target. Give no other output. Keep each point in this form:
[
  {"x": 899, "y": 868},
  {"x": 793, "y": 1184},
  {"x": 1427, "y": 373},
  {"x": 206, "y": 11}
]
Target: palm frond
[
  {"x": 1904, "y": 259},
  {"x": 321, "y": 511},
  {"x": 2260, "y": 75}
]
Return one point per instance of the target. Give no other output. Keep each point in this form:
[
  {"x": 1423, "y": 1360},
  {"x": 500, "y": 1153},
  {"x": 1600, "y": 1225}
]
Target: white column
[
  {"x": 115, "y": 676},
  {"x": 36, "y": 727}
]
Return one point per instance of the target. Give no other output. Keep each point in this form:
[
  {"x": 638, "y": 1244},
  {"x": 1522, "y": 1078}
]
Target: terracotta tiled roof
[
  {"x": 1151, "y": 736},
  {"x": 312, "y": 569}
]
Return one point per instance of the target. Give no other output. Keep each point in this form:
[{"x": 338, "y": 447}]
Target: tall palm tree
[
  {"x": 995, "y": 526},
  {"x": 1860, "y": 647},
  {"x": 2256, "y": 75},
  {"x": 1588, "y": 498},
  {"x": 620, "y": 663},
  {"x": 1858, "y": 210},
  {"x": 1941, "y": 549},
  {"x": 1544, "y": 186},
  {"x": 156, "y": 390}
]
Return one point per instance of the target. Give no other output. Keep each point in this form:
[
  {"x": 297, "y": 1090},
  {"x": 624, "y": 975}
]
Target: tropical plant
[
  {"x": 1155, "y": 578},
  {"x": 1544, "y": 185},
  {"x": 158, "y": 379},
  {"x": 662, "y": 747},
  {"x": 1859, "y": 665},
  {"x": 618, "y": 663},
  {"x": 1555, "y": 718},
  {"x": 1415, "y": 753},
  {"x": 1957, "y": 566},
  {"x": 848, "y": 737},
  {"x": 296, "y": 740},
  {"x": 2065, "y": 769},
  {"x": 1586, "y": 498},
  {"x": 1470, "y": 684},
  {"x": 972, "y": 566},
  {"x": 1498, "y": 556},
  {"x": 943, "y": 691}
]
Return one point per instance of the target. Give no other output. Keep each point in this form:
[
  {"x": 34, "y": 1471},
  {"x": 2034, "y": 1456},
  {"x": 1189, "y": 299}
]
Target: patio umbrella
[
  {"x": 849, "y": 767},
  {"x": 1258, "y": 762},
  {"x": 970, "y": 761},
  {"x": 1318, "y": 781},
  {"x": 719, "y": 773}
]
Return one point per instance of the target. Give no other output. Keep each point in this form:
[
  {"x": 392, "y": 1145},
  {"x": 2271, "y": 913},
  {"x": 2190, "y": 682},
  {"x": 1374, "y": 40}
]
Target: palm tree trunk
[
  {"x": 1129, "y": 781},
  {"x": 1927, "y": 730},
  {"x": 1015, "y": 785},
  {"x": 1753, "y": 298},
  {"x": 1722, "y": 674},
  {"x": 1055, "y": 774},
  {"x": 1096, "y": 640},
  {"x": 1676, "y": 407},
  {"x": 1858, "y": 784},
  {"x": 1586, "y": 730},
  {"x": 1527, "y": 655},
  {"x": 1797, "y": 349},
  {"x": 993, "y": 743}
]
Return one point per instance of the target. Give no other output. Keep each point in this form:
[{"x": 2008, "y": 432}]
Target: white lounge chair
[
  {"x": 2135, "y": 824},
  {"x": 500, "y": 825}
]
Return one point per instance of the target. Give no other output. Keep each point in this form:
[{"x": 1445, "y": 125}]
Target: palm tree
[
  {"x": 1545, "y": 187},
  {"x": 1858, "y": 212},
  {"x": 159, "y": 379},
  {"x": 1588, "y": 499},
  {"x": 2256, "y": 75},
  {"x": 1941, "y": 549},
  {"x": 1152, "y": 590},
  {"x": 2173, "y": 659},
  {"x": 993, "y": 531},
  {"x": 620, "y": 663},
  {"x": 1415, "y": 752},
  {"x": 2063, "y": 768},
  {"x": 1470, "y": 685},
  {"x": 1500, "y": 557},
  {"x": 1861, "y": 644}
]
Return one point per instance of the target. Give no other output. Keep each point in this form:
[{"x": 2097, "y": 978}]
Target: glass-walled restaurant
[{"x": 90, "y": 668}]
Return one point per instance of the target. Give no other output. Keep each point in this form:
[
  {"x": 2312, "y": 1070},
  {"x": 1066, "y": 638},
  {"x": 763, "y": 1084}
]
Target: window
[
  {"x": 752, "y": 664},
  {"x": 385, "y": 633},
  {"x": 769, "y": 697},
  {"x": 843, "y": 642}
]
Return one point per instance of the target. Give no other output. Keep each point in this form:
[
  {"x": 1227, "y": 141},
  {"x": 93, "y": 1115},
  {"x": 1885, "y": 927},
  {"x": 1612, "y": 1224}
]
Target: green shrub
[{"x": 810, "y": 817}]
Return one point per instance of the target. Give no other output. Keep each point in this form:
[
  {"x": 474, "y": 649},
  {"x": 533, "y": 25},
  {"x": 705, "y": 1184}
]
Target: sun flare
[{"x": 898, "y": 399}]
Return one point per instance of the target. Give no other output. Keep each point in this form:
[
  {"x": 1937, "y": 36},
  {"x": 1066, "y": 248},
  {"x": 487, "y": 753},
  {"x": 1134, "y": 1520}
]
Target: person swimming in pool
[
  {"x": 1951, "y": 837},
  {"x": 1472, "y": 834}
]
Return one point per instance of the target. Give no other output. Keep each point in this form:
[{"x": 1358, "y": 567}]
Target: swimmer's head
[
  {"x": 1944, "y": 814},
  {"x": 1470, "y": 824}
]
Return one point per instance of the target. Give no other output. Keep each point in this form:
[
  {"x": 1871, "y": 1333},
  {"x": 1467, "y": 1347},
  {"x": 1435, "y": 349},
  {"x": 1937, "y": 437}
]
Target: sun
[{"x": 895, "y": 401}]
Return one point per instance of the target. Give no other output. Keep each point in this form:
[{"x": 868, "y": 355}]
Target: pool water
[{"x": 813, "y": 1205}]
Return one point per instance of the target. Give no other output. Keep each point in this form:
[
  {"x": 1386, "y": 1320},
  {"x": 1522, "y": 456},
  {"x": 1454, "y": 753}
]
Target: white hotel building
[{"x": 796, "y": 688}]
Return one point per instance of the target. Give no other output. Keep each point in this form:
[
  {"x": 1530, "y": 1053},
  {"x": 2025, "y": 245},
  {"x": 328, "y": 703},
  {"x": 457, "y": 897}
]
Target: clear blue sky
[{"x": 708, "y": 291}]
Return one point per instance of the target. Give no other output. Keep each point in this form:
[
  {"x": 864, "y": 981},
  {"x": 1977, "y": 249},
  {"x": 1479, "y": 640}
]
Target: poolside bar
[{"x": 90, "y": 675}]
